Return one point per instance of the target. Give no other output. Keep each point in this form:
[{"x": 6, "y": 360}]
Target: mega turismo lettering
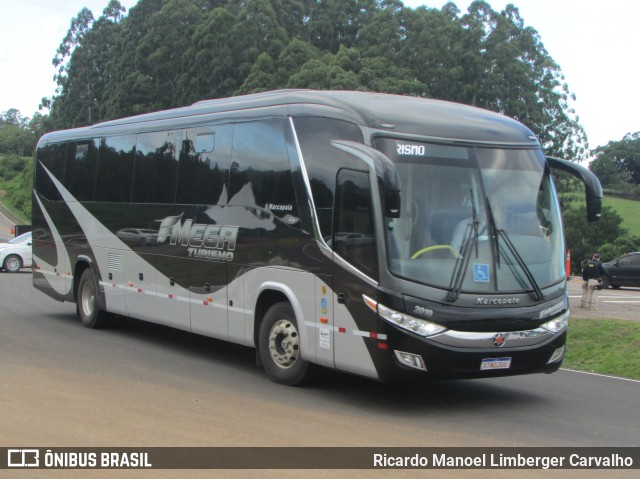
[{"x": 204, "y": 241}]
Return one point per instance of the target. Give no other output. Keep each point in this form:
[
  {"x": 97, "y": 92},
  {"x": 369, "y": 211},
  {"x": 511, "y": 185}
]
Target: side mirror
[
  {"x": 388, "y": 179},
  {"x": 392, "y": 204},
  {"x": 592, "y": 187}
]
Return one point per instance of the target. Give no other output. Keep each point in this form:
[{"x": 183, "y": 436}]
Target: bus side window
[
  {"x": 156, "y": 167},
  {"x": 322, "y": 160},
  {"x": 52, "y": 157},
  {"x": 354, "y": 237},
  {"x": 115, "y": 168},
  {"x": 203, "y": 171},
  {"x": 81, "y": 167},
  {"x": 260, "y": 169}
]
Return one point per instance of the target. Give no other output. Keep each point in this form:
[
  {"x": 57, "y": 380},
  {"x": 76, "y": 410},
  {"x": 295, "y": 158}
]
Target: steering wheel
[{"x": 448, "y": 247}]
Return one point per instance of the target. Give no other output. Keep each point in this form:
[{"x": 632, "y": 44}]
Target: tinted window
[
  {"x": 156, "y": 167},
  {"x": 322, "y": 160},
  {"x": 80, "y": 173},
  {"x": 631, "y": 260},
  {"x": 260, "y": 169},
  {"x": 354, "y": 233},
  {"x": 204, "y": 165},
  {"x": 52, "y": 157},
  {"x": 115, "y": 168}
]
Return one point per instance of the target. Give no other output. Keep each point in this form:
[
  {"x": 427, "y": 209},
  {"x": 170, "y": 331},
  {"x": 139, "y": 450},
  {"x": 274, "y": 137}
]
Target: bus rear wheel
[
  {"x": 279, "y": 346},
  {"x": 87, "y": 302}
]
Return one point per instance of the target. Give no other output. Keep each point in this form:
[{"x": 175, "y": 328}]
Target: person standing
[{"x": 592, "y": 272}]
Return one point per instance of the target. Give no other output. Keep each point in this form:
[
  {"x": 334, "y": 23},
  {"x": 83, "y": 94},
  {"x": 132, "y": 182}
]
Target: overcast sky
[{"x": 596, "y": 45}]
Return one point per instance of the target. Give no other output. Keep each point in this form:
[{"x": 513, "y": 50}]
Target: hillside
[
  {"x": 16, "y": 180},
  {"x": 628, "y": 209}
]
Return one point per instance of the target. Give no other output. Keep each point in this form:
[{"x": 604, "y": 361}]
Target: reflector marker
[{"x": 353, "y": 332}]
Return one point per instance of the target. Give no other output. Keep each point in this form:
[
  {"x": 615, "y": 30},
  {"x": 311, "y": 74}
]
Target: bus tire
[
  {"x": 279, "y": 346},
  {"x": 87, "y": 302}
]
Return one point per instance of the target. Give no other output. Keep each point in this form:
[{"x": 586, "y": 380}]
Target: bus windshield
[{"x": 474, "y": 219}]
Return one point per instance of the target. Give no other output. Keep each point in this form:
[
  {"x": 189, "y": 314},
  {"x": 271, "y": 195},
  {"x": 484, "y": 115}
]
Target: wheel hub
[
  {"x": 284, "y": 344},
  {"x": 88, "y": 299}
]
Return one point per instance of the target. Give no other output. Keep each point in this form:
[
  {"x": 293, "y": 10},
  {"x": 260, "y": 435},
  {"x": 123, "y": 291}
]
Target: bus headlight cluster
[
  {"x": 557, "y": 324},
  {"x": 403, "y": 320}
]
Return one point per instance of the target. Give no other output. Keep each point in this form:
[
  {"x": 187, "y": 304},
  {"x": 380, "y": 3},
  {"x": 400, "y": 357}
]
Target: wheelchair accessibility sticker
[{"x": 481, "y": 272}]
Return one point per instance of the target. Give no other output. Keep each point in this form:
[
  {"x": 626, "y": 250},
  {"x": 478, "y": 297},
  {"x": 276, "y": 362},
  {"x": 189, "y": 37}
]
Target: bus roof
[{"x": 394, "y": 114}]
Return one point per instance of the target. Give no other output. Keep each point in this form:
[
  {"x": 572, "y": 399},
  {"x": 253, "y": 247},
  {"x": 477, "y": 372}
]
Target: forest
[{"x": 170, "y": 53}]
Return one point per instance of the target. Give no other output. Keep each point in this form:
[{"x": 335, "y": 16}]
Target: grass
[
  {"x": 605, "y": 346},
  {"x": 628, "y": 209},
  {"x": 14, "y": 212}
]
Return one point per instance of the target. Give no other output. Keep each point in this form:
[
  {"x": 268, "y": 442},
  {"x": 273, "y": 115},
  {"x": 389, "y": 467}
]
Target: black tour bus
[{"x": 381, "y": 235}]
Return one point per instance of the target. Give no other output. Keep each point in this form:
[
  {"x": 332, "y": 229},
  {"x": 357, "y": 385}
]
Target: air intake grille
[{"x": 114, "y": 261}]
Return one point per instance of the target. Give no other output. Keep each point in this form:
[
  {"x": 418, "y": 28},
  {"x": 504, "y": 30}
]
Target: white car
[
  {"x": 139, "y": 236},
  {"x": 16, "y": 254}
]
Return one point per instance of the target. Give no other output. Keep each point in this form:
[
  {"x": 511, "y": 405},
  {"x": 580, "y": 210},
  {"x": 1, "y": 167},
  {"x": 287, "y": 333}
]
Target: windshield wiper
[
  {"x": 460, "y": 269},
  {"x": 498, "y": 232}
]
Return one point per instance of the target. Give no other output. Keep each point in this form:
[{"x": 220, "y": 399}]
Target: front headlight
[
  {"x": 403, "y": 320},
  {"x": 557, "y": 324}
]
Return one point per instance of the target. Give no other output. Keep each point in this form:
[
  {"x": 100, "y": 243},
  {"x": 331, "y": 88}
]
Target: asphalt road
[{"x": 146, "y": 385}]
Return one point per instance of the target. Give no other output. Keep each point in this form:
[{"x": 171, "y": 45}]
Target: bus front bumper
[{"x": 458, "y": 355}]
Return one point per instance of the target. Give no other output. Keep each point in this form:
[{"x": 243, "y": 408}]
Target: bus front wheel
[
  {"x": 279, "y": 346},
  {"x": 87, "y": 302}
]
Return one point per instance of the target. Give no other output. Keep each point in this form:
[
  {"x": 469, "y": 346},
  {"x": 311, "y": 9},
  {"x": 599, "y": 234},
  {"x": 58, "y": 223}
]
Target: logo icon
[
  {"x": 481, "y": 273},
  {"x": 23, "y": 457},
  {"x": 499, "y": 340}
]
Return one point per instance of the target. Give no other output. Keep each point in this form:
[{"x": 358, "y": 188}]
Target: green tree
[
  {"x": 335, "y": 23},
  {"x": 262, "y": 76},
  {"x": 623, "y": 244},
  {"x": 130, "y": 87},
  {"x": 211, "y": 56},
  {"x": 79, "y": 27},
  {"x": 432, "y": 51},
  {"x": 13, "y": 117},
  {"x": 82, "y": 60},
  {"x": 521, "y": 80},
  {"x": 584, "y": 239},
  {"x": 618, "y": 161},
  {"x": 168, "y": 53},
  {"x": 19, "y": 188},
  {"x": 15, "y": 135},
  {"x": 292, "y": 58}
]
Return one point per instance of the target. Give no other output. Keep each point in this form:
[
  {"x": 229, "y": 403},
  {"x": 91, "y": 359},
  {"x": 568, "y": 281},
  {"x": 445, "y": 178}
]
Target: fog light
[
  {"x": 557, "y": 355},
  {"x": 412, "y": 360}
]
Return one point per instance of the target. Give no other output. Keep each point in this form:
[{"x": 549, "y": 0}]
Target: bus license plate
[{"x": 495, "y": 363}]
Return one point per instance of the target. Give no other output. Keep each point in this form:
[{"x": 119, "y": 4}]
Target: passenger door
[{"x": 355, "y": 264}]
